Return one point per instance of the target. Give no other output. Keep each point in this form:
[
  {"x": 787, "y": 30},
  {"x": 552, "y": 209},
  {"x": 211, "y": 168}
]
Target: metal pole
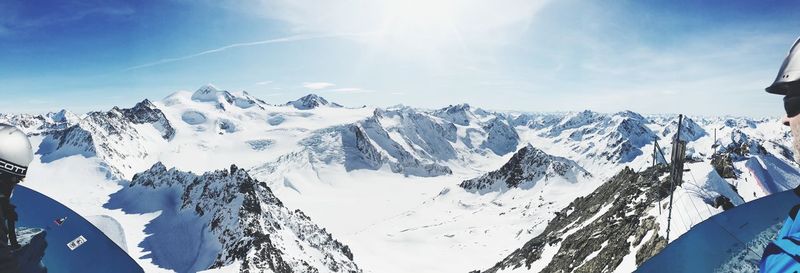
[
  {"x": 655, "y": 142},
  {"x": 662, "y": 153},
  {"x": 674, "y": 175},
  {"x": 655, "y": 150}
]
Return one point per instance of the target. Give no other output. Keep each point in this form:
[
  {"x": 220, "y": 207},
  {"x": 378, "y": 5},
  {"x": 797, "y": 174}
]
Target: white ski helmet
[
  {"x": 15, "y": 151},
  {"x": 789, "y": 75}
]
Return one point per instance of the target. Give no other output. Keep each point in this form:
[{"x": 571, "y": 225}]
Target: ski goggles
[{"x": 791, "y": 102}]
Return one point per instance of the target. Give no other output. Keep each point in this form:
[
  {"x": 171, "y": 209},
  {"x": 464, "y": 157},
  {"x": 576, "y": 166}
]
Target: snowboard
[
  {"x": 731, "y": 241},
  {"x": 70, "y": 243}
]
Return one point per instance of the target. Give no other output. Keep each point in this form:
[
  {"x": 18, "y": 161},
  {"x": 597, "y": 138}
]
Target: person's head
[
  {"x": 15, "y": 154},
  {"x": 794, "y": 124},
  {"x": 787, "y": 83}
]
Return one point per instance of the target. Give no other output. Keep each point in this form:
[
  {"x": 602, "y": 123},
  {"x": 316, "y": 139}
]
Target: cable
[
  {"x": 683, "y": 219},
  {"x": 699, "y": 216},
  {"x": 702, "y": 189}
]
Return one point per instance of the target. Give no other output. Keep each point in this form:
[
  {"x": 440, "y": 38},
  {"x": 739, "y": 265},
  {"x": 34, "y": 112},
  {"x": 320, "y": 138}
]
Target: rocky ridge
[{"x": 251, "y": 225}]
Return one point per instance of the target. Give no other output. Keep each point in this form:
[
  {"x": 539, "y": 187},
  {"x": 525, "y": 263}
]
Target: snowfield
[{"x": 379, "y": 190}]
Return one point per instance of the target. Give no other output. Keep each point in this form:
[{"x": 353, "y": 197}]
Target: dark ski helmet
[
  {"x": 788, "y": 78},
  {"x": 15, "y": 151}
]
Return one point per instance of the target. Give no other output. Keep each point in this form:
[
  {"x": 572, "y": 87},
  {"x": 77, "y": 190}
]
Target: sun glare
[{"x": 420, "y": 24}]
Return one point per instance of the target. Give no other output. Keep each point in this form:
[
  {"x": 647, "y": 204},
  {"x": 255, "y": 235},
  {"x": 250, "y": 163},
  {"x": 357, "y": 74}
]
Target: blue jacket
[{"x": 783, "y": 254}]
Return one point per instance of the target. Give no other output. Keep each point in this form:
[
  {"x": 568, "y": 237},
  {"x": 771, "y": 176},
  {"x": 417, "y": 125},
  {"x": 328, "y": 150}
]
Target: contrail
[{"x": 264, "y": 42}]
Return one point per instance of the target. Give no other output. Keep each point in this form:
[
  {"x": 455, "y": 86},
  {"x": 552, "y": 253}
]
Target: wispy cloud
[
  {"x": 293, "y": 38},
  {"x": 13, "y": 21},
  {"x": 317, "y": 85},
  {"x": 351, "y": 90},
  {"x": 263, "y": 82}
]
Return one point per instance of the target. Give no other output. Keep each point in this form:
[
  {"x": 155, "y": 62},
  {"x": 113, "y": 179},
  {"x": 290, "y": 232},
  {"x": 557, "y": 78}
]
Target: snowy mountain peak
[
  {"x": 631, "y": 114},
  {"x": 146, "y": 112},
  {"x": 207, "y": 89},
  {"x": 614, "y": 138},
  {"x": 222, "y": 99},
  {"x": 460, "y": 114},
  {"x": 311, "y": 101},
  {"x": 690, "y": 130},
  {"x": 525, "y": 169},
  {"x": 501, "y": 137},
  {"x": 63, "y": 116},
  {"x": 119, "y": 137},
  {"x": 210, "y": 93},
  {"x": 41, "y": 124},
  {"x": 577, "y": 119},
  {"x": 458, "y": 107},
  {"x": 740, "y": 123},
  {"x": 235, "y": 219}
]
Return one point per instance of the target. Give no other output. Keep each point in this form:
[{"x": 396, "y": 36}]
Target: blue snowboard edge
[{"x": 98, "y": 254}]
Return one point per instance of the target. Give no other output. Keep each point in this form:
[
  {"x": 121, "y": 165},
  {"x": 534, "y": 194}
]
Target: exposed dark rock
[
  {"x": 600, "y": 224},
  {"x": 724, "y": 202},
  {"x": 529, "y": 164},
  {"x": 30, "y": 255},
  {"x": 652, "y": 246},
  {"x": 723, "y": 164},
  {"x": 146, "y": 112},
  {"x": 250, "y": 222}
]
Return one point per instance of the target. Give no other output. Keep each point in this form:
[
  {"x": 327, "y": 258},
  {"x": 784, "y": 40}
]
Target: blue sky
[{"x": 693, "y": 57}]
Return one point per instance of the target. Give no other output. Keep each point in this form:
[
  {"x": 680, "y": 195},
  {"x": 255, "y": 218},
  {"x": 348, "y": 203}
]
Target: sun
[{"x": 419, "y": 24}]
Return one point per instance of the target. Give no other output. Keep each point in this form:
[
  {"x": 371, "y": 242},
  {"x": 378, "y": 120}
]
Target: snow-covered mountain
[
  {"x": 528, "y": 165},
  {"x": 311, "y": 101},
  {"x": 41, "y": 124},
  {"x": 223, "y": 98},
  {"x": 410, "y": 142},
  {"x": 623, "y": 222},
  {"x": 690, "y": 130},
  {"x": 119, "y": 137},
  {"x": 413, "y": 183},
  {"x": 619, "y": 225},
  {"x": 616, "y": 138},
  {"x": 226, "y": 218}
]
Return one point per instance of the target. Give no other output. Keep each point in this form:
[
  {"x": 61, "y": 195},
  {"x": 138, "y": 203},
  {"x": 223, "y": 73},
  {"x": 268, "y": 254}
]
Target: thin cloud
[
  {"x": 263, "y": 83},
  {"x": 352, "y": 90},
  {"x": 287, "y": 39},
  {"x": 12, "y": 20},
  {"x": 317, "y": 85}
]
